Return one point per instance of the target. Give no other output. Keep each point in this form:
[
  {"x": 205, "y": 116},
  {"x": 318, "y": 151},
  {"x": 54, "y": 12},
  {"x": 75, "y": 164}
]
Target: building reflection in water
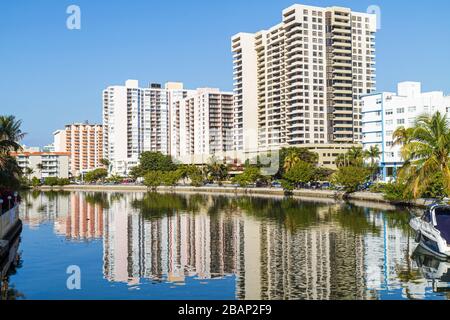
[
  {"x": 276, "y": 248},
  {"x": 76, "y": 216}
]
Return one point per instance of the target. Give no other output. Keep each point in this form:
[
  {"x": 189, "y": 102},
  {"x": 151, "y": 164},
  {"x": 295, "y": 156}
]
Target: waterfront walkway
[{"x": 302, "y": 193}]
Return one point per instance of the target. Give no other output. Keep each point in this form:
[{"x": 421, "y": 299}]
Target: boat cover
[{"x": 443, "y": 222}]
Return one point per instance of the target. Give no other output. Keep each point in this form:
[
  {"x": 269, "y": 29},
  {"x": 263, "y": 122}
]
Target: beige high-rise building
[
  {"x": 300, "y": 82},
  {"x": 84, "y": 142}
]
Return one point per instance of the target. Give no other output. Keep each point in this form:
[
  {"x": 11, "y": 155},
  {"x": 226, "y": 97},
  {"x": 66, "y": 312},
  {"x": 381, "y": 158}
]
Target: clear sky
[{"x": 51, "y": 76}]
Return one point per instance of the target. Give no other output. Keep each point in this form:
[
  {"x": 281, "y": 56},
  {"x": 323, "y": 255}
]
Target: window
[
  {"x": 412, "y": 109},
  {"x": 401, "y": 110},
  {"x": 401, "y": 121},
  {"x": 389, "y": 112},
  {"x": 389, "y": 122}
]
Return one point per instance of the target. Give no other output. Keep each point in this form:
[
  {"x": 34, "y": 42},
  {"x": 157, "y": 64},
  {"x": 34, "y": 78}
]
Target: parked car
[{"x": 276, "y": 184}]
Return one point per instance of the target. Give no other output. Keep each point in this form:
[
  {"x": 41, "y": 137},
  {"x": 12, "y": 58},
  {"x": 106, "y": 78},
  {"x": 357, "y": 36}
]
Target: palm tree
[
  {"x": 427, "y": 153},
  {"x": 290, "y": 161},
  {"x": 354, "y": 157},
  {"x": 402, "y": 137},
  {"x": 28, "y": 172},
  {"x": 10, "y": 135},
  {"x": 373, "y": 154},
  {"x": 218, "y": 172}
]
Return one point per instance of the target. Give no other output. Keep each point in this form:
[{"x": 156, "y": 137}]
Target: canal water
[{"x": 78, "y": 245}]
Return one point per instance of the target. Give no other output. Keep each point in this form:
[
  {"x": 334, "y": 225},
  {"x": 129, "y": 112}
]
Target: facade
[
  {"x": 329, "y": 152},
  {"x": 44, "y": 164},
  {"x": 137, "y": 120},
  {"x": 385, "y": 112},
  {"x": 202, "y": 126},
  {"x": 300, "y": 82},
  {"x": 84, "y": 142}
]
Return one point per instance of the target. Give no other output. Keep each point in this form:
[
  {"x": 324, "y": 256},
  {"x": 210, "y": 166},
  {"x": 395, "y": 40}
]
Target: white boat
[{"x": 433, "y": 230}]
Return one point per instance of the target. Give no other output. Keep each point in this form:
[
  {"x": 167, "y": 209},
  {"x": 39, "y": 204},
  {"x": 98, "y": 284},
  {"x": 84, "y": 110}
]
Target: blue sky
[{"x": 51, "y": 76}]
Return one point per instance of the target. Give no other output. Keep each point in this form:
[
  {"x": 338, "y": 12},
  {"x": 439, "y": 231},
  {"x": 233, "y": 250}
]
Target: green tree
[
  {"x": 426, "y": 153},
  {"x": 351, "y": 177},
  {"x": 289, "y": 156},
  {"x": 136, "y": 172},
  {"x": 250, "y": 175},
  {"x": 106, "y": 163},
  {"x": 156, "y": 161},
  {"x": 194, "y": 174},
  {"x": 96, "y": 175},
  {"x": 171, "y": 178},
  {"x": 302, "y": 172},
  {"x": 153, "y": 179},
  {"x": 115, "y": 179},
  {"x": 323, "y": 174}
]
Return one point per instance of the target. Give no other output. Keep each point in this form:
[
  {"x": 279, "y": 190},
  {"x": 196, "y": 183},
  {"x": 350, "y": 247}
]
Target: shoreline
[{"x": 301, "y": 193}]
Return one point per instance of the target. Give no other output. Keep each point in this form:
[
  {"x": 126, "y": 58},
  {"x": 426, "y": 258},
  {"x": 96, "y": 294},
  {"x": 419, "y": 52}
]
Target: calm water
[{"x": 149, "y": 246}]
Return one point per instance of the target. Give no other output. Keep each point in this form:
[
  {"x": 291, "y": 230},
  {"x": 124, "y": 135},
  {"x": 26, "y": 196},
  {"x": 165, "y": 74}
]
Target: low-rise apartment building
[
  {"x": 385, "y": 112},
  {"x": 44, "y": 164}
]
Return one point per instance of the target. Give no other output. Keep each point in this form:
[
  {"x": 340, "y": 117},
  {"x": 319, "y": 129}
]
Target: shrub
[
  {"x": 436, "y": 188},
  {"x": 51, "y": 181},
  {"x": 63, "y": 182},
  {"x": 397, "y": 191}
]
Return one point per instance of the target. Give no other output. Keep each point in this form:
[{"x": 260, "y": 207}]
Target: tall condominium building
[
  {"x": 384, "y": 112},
  {"x": 84, "y": 142},
  {"x": 300, "y": 82},
  {"x": 202, "y": 125},
  {"x": 137, "y": 120}
]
